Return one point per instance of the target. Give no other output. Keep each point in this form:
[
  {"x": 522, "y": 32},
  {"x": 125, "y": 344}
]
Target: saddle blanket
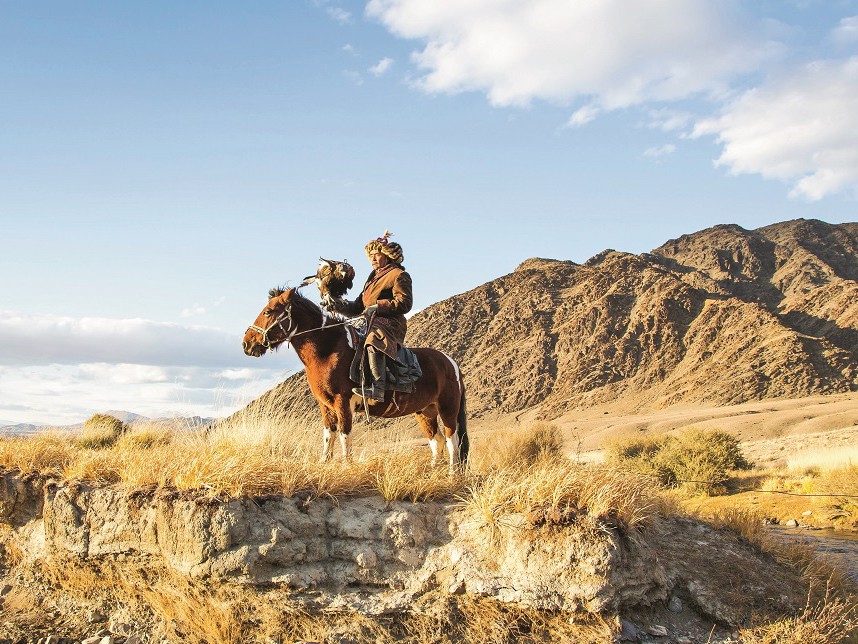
[{"x": 401, "y": 373}]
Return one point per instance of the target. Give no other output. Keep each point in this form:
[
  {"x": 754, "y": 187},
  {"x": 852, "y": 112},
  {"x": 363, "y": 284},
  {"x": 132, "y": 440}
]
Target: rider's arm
[
  {"x": 347, "y": 307},
  {"x": 401, "y": 299}
]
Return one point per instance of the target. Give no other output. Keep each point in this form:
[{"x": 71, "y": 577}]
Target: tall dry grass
[
  {"x": 842, "y": 484},
  {"x": 515, "y": 469}
]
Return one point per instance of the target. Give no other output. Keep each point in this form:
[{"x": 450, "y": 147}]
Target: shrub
[
  {"x": 101, "y": 431},
  {"x": 697, "y": 460}
]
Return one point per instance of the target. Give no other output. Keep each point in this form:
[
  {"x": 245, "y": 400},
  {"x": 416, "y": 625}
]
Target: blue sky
[{"x": 162, "y": 164}]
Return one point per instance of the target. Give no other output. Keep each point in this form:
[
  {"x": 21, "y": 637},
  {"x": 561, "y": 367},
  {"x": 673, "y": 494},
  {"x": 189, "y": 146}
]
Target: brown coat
[{"x": 390, "y": 289}]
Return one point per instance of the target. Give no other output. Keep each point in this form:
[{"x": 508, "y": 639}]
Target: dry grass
[
  {"x": 825, "y": 459},
  {"x": 173, "y": 608},
  {"x": 828, "y": 621},
  {"x": 517, "y": 446},
  {"x": 842, "y": 483},
  {"x": 562, "y": 490},
  {"x": 824, "y": 578},
  {"x": 48, "y": 453},
  {"x": 252, "y": 456}
]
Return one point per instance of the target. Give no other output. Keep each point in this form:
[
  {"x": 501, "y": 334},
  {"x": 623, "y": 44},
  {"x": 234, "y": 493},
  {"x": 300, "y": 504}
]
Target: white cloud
[
  {"x": 193, "y": 311},
  {"x": 340, "y": 15},
  {"x": 238, "y": 374},
  {"x": 354, "y": 77},
  {"x": 618, "y": 53},
  {"x": 846, "y": 33},
  {"x": 45, "y": 339},
  {"x": 61, "y": 370},
  {"x": 800, "y": 127},
  {"x": 669, "y": 120},
  {"x": 349, "y": 49},
  {"x": 381, "y": 67},
  {"x": 659, "y": 151},
  {"x": 68, "y": 394},
  {"x": 124, "y": 373},
  {"x": 583, "y": 116}
]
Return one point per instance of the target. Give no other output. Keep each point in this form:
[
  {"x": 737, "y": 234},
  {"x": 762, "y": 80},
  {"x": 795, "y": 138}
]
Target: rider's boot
[{"x": 376, "y": 361}]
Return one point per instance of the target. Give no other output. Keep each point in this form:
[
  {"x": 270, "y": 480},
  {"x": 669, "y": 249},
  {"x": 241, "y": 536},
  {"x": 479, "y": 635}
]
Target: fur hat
[{"x": 381, "y": 244}]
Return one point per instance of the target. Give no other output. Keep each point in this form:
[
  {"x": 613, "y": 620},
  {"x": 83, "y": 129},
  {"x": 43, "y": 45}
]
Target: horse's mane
[{"x": 297, "y": 299}]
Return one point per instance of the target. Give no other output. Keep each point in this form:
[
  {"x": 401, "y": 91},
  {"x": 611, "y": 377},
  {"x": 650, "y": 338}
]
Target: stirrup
[{"x": 373, "y": 393}]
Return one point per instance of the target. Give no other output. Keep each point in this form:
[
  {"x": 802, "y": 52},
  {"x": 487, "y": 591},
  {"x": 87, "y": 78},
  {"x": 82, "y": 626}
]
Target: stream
[{"x": 840, "y": 545}]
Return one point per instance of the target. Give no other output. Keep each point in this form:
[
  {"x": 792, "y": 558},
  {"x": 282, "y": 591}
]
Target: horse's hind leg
[
  {"x": 329, "y": 426},
  {"x": 449, "y": 416},
  {"x": 428, "y": 421}
]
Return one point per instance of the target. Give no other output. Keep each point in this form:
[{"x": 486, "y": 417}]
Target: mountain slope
[{"x": 722, "y": 316}]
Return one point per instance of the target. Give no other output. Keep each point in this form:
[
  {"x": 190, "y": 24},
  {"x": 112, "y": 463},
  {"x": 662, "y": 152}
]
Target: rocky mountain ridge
[{"x": 721, "y": 316}]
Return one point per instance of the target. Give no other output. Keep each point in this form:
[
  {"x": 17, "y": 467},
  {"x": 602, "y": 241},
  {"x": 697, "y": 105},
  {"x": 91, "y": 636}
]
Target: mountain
[
  {"x": 721, "y": 316},
  {"x": 9, "y": 429},
  {"x": 127, "y": 417}
]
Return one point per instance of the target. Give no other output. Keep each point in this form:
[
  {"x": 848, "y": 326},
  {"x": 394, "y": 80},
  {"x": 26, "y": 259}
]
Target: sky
[{"x": 164, "y": 163}]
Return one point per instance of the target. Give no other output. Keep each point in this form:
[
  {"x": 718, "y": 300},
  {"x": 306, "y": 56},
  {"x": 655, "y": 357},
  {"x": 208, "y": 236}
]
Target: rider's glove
[{"x": 371, "y": 310}]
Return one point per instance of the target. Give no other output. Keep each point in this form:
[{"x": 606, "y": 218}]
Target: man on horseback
[{"x": 385, "y": 299}]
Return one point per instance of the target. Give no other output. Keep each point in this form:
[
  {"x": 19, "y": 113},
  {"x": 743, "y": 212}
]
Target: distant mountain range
[
  {"x": 125, "y": 416},
  {"x": 721, "y": 316}
]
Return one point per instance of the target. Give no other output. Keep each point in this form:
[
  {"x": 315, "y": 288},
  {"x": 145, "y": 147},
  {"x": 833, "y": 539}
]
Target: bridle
[
  {"x": 292, "y": 330},
  {"x": 286, "y": 316}
]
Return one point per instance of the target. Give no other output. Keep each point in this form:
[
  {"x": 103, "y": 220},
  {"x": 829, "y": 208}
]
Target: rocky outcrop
[
  {"x": 722, "y": 316},
  {"x": 375, "y": 557}
]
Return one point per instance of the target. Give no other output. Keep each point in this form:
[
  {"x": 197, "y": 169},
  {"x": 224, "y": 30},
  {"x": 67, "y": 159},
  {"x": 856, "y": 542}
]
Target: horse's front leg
[
  {"x": 344, "y": 422},
  {"x": 329, "y": 426}
]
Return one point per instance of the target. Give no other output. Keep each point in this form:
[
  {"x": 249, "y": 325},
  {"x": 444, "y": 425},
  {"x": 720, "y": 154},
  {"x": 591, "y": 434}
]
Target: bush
[
  {"x": 101, "y": 431},
  {"x": 697, "y": 460}
]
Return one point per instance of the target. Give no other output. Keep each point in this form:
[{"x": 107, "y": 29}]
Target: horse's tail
[{"x": 462, "y": 427}]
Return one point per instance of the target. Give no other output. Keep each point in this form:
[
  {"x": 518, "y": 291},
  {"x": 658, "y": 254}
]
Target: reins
[{"x": 290, "y": 332}]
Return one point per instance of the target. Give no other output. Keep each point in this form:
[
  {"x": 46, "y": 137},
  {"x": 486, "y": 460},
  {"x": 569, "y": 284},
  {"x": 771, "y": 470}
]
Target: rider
[{"x": 385, "y": 299}]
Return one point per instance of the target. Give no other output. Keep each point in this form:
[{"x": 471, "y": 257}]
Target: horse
[{"x": 326, "y": 348}]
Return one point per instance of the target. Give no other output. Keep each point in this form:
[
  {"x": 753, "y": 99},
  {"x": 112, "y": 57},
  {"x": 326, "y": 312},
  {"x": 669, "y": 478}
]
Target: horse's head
[{"x": 273, "y": 326}]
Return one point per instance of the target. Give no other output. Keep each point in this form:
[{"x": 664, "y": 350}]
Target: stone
[
  {"x": 96, "y": 617},
  {"x": 675, "y": 604},
  {"x": 792, "y": 523},
  {"x": 807, "y": 513},
  {"x": 628, "y": 632},
  {"x": 134, "y": 639},
  {"x": 5, "y": 589},
  {"x": 657, "y": 630},
  {"x": 91, "y": 640},
  {"x": 120, "y": 628}
]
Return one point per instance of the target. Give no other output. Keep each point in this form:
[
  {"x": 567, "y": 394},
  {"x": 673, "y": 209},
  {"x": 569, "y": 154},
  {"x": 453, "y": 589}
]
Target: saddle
[{"x": 401, "y": 373}]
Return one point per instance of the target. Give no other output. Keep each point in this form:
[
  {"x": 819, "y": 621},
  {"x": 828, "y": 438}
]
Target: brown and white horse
[{"x": 325, "y": 347}]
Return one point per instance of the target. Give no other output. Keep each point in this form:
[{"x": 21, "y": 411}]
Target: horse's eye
[{"x": 268, "y": 312}]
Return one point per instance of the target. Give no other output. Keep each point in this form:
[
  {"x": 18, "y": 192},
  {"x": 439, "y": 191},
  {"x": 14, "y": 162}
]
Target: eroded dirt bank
[{"x": 377, "y": 558}]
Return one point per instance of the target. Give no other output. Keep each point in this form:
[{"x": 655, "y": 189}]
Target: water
[{"x": 840, "y": 545}]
